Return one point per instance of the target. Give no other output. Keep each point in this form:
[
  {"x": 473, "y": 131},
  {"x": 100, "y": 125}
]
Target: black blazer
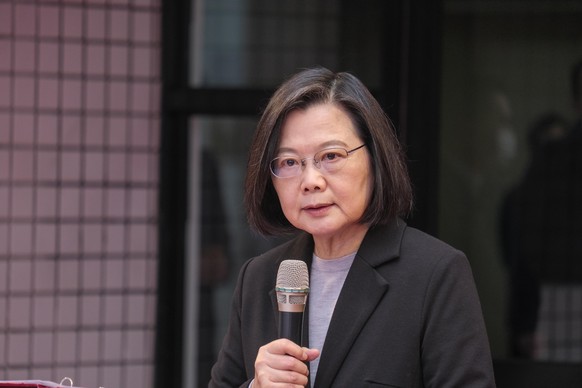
[{"x": 408, "y": 316}]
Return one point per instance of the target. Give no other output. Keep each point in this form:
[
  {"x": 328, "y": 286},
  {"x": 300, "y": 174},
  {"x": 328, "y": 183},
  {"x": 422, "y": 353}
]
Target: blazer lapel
[
  {"x": 348, "y": 318},
  {"x": 363, "y": 288}
]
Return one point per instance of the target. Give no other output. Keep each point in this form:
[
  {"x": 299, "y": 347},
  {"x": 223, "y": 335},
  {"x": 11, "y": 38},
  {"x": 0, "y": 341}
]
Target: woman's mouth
[{"x": 317, "y": 210}]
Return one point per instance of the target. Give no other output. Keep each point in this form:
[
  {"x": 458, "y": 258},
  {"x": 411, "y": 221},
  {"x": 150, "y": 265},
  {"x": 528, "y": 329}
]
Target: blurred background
[{"x": 124, "y": 127}]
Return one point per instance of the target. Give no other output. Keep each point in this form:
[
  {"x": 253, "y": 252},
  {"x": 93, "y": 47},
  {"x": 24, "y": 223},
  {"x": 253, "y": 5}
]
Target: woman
[{"x": 389, "y": 305}]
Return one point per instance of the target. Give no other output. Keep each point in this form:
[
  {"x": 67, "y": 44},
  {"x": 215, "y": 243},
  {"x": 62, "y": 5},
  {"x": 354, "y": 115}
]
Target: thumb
[{"x": 312, "y": 354}]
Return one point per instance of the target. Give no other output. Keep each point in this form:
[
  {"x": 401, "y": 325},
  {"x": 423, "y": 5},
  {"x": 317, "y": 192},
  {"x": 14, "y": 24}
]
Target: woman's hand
[{"x": 282, "y": 363}]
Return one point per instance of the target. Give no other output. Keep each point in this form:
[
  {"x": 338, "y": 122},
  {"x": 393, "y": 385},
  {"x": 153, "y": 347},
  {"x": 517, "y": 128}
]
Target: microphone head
[
  {"x": 293, "y": 274},
  {"x": 292, "y": 285}
]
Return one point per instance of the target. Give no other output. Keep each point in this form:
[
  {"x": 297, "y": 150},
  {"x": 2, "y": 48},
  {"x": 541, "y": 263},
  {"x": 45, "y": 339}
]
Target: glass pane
[
  {"x": 511, "y": 169},
  {"x": 258, "y": 43},
  {"x": 224, "y": 240}
]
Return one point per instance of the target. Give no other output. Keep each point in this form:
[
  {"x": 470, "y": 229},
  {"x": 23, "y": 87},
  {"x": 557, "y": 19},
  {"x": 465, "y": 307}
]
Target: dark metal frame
[{"x": 172, "y": 197}]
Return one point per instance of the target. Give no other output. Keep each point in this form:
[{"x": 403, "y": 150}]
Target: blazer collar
[{"x": 382, "y": 243}]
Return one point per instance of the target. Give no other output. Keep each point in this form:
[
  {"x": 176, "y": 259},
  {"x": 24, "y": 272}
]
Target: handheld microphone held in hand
[{"x": 292, "y": 288}]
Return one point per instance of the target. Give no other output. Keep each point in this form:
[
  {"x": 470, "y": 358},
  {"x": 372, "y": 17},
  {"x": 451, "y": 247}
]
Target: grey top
[{"x": 327, "y": 280}]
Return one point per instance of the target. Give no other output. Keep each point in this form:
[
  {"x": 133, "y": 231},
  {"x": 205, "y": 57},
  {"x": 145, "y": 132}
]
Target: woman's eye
[
  {"x": 330, "y": 156},
  {"x": 285, "y": 163}
]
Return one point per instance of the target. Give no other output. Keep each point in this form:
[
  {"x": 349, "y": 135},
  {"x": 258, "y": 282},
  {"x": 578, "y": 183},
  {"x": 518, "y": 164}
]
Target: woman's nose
[{"x": 312, "y": 177}]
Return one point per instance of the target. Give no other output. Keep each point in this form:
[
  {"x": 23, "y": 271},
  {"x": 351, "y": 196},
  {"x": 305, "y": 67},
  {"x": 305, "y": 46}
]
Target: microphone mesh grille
[{"x": 293, "y": 274}]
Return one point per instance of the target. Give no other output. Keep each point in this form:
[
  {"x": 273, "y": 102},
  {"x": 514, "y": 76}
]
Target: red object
[{"x": 32, "y": 384}]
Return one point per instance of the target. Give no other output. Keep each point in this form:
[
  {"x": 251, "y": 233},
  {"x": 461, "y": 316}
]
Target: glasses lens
[
  {"x": 331, "y": 159},
  {"x": 285, "y": 167}
]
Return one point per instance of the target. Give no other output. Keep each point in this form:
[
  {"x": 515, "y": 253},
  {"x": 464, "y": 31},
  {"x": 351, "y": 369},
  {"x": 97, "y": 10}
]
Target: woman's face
[{"x": 321, "y": 203}]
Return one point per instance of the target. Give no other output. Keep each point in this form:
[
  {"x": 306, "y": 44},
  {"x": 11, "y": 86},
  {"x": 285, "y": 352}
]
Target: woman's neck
[{"x": 339, "y": 245}]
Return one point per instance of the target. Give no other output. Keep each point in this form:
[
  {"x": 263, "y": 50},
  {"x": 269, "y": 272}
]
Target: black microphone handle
[{"x": 290, "y": 324}]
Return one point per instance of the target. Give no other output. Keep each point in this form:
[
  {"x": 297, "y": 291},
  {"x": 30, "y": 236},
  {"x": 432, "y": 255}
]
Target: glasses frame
[{"x": 316, "y": 163}]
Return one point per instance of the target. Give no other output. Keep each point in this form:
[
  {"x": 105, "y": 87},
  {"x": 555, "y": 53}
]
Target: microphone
[{"x": 292, "y": 288}]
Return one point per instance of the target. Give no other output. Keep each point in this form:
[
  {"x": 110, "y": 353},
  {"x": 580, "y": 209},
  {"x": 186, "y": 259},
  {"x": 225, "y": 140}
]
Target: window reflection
[
  {"x": 511, "y": 169},
  {"x": 214, "y": 258},
  {"x": 225, "y": 240},
  {"x": 255, "y": 43}
]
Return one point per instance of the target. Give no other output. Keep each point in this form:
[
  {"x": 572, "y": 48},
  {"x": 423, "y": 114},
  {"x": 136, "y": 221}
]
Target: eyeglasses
[{"x": 329, "y": 160}]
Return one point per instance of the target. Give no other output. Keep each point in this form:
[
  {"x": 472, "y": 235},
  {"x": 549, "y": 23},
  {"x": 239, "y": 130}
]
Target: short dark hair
[{"x": 391, "y": 195}]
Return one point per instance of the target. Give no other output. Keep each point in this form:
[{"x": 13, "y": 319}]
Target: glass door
[{"x": 510, "y": 171}]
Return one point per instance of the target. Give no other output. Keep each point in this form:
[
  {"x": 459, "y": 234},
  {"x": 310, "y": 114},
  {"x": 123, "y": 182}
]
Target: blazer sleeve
[
  {"x": 455, "y": 349},
  {"x": 253, "y": 315}
]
